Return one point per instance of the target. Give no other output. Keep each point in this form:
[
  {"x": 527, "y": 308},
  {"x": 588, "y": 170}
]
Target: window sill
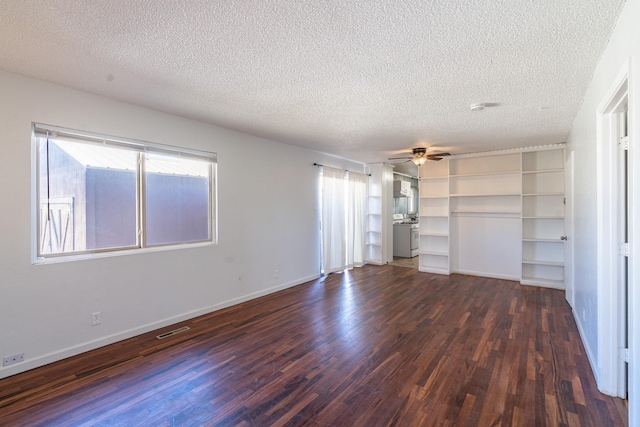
[{"x": 116, "y": 253}]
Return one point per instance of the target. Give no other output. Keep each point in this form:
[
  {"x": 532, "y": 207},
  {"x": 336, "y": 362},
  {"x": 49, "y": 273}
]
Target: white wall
[
  {"x": 623, "y": 46},
  {"x": 268, "y": 220}
]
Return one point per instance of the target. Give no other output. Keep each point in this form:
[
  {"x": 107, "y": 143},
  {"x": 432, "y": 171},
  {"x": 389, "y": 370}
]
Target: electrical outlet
[
  {"x": 95, "y": 318},
  {"x": 276, "y": 274},
  {"x": 584, "y": 317},
  {"x": 10, "y": 360}
]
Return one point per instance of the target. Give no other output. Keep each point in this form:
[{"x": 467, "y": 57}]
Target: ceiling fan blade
[
  {"x": 403, "y": 152},
  {"x": 417, "y": 153},
  {"x": 437, "y": 156}
]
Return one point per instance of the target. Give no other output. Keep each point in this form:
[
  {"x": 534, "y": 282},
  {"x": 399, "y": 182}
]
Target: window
[
  {"x": 98, "y": 194},
  {"x": 412, "y": 202},
  {"x": 343, "y": 199}
]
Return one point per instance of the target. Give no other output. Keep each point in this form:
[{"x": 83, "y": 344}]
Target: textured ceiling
[{"x": 362, "y": 80}]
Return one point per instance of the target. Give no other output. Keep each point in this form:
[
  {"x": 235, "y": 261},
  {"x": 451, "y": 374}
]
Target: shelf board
[
  {"x": 435, "y": 234},
  {"x": 529, "y": 239},
  {"x": 490, "y": 212},
  {"x": 434, "y": 216},
  {"x": 434, "y": 178},
  {"x": 436, "y": 270},
  {"x": 501, "y": 214},
  {"x": 484, "y": 195},
  {"x": 542, "y": 194},
  {"x": 442, "y": 254},
  {"x": 539, "y": 262},
  {"x": 542, "y": 171},
  {"x": 426, "y": 196},
  {"x": 548, "y": 283},
  {"x": 513, "y": 172},
  {"x": 543, "y": 217}
]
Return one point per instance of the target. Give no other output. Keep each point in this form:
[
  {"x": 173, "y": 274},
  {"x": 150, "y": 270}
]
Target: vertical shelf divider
[
  {"x": 379, "y": 234},
  {"x": 434, "y": 217},
  {"x": 543, "y": 213}
]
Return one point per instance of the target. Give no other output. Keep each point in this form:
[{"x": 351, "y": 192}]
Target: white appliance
[
  {"x": 401, "y": 189},
  {"x": 406, "y": 237}
]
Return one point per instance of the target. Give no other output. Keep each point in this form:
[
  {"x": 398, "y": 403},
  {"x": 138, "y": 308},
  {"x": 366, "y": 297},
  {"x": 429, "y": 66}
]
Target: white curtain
[
  {"x": 356, "y": 211},
  {"x": 333, "y": 220}
]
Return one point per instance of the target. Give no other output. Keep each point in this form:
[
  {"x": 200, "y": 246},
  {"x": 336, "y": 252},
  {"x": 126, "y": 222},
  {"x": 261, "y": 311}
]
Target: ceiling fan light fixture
[
  {"x": 419, "y": 156},
  {"x": 419, "y": 159}
]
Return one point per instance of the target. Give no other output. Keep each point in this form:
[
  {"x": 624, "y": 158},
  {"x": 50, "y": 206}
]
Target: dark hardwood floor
[{"x": 377, "y": 346}]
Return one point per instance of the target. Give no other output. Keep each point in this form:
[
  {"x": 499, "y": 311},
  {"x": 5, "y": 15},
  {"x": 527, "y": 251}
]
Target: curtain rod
[{"x": 318, "y": 164}]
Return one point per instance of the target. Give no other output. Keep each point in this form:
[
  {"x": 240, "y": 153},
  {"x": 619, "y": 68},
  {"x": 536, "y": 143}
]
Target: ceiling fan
[{"x": 419, "y": 156}]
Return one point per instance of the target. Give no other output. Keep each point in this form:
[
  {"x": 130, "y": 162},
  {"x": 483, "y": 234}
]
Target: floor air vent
[{"x": 175, "y": 331}]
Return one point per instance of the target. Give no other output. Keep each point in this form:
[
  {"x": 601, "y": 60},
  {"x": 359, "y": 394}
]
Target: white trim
[
  {"x": 138, "y": 145},
  {"x": 110, "y": 339},
  {"x": 633, "y": 377},
  {"x": 587, "y": 348},
  {"x": 489, "y": 274},
  {"x": 608, "y": 291},
  {"x": 118, "y": 252},
  {"x": 569, "y": 262},
  {"x": 541, "y": 283},
  {"x": 510, "y": 151}
]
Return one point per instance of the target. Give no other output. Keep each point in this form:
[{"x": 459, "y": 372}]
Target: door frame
[
  {"x": 570, "y": 292},
  {"x": 611, "y": 298}
]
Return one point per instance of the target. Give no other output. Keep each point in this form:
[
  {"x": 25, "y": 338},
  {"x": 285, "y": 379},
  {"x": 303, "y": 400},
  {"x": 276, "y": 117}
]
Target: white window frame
[{"x": 140, "y": 147}]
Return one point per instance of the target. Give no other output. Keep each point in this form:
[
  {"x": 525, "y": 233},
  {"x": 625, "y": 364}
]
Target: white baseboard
[
  {"x": 587, "y": 349},
  {"x": 433, "y": 270},
  {"x": 45, "y": 359},
  {"x": 487, "y": 274}
]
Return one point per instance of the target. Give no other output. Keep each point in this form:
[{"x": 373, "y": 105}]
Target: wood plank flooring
[
  {"x": 405, "y": 262},
  {"x": 376, "y": 346}
]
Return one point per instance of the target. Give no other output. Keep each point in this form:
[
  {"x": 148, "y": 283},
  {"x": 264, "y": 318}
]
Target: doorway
[
  {"x": 613, "y": 225},
  {"x": 568, "y": 221}
]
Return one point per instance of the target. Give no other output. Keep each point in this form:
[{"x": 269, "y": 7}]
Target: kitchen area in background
[{"x": 406, "y": 234}]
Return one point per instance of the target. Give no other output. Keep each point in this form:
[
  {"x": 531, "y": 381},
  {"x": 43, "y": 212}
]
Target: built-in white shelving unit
[
  {"x": 485, "y": 204},
  {"x": 496, "y": 215},
  {"x": 543, "y": 231},
  {"x": 434, "y": 217},
  {"x": 374, "y": 227},
  {"x": 379, "y": 238}
]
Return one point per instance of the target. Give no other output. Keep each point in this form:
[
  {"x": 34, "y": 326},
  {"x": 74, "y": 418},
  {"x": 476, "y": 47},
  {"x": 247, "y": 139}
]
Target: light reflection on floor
[{"x": 346, "y": 313}]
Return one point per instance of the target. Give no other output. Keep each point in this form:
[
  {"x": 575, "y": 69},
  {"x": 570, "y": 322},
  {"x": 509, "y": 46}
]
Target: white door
[{"x": 568, "y": 224}]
